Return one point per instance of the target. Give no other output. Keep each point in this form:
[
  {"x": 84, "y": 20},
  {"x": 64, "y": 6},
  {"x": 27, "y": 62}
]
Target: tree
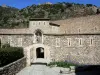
[{"x": 89, "y": 5}]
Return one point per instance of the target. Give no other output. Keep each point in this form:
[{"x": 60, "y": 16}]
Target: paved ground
[{"x": 40, "y": 70}]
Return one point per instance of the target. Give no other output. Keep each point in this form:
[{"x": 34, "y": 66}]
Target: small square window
[
  {"x": 39, "y": 23},
  {"x": 44, "y": 23},
  {"x": 33, "y": 23},
  {"x": 79, "y": 30}
]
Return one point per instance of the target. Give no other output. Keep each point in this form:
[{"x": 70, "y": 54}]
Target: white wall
[{"x": 43, "y": 25}]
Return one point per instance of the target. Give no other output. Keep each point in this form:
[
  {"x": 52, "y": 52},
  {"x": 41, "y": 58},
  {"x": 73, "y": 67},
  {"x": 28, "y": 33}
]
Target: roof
[
  {"x": 39, "y": 19},
  {"x": 54, "y": 24},
  {"x": 80, "y": 25}
]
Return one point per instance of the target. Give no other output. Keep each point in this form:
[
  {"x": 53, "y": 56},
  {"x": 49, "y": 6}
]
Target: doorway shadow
[
  {"x": 38, "y": 63},
  {"x": 40, "y": 52},
  {"x": 88, "y": 70}
]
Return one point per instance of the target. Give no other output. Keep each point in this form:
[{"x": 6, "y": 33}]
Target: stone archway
[
  {"x": 32, "y": 51},
  {"x": 40, "y": 52}
]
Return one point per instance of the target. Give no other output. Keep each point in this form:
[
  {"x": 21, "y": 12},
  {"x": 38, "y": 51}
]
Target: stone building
[{"x": 73, "y": 40}]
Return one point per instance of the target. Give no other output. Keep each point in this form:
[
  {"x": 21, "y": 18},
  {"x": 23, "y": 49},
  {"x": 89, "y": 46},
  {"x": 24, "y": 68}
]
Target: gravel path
[{"x": 40, "y": 70}]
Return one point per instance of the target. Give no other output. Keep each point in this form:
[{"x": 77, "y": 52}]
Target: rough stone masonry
[{"x": 74, "y": 40}]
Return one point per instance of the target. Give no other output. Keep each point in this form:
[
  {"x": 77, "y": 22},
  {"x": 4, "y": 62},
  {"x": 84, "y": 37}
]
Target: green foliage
[
  {"x": 0, "y": 43},
  {"x": 9, "y": 17},
  {"x": 58, "y": 11},
  {"x": 61, "y": 64},
  {"x": 9, "y": 55},
  {"x": 13, "y": 18},
  {"x": 89, "y": 5},
  {"x": 5, "y": 46}
]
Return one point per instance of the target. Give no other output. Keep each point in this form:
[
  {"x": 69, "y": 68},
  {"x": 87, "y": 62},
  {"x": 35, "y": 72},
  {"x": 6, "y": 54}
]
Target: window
[
  {"x": 33, "y": 23},
  {"x": 57, "y": 42},
  {"x": 19, "y": 42},
  {"x": 91, "y": 41},
  {"x": 78, "y": 30},
  {"x": 95, "y": 28},
  {"x": 39, "y": 23},
  {"x": 69, "y": 42},
  {"x": 80, "y": 41},
  {"x": 44, "y": 23},
  {"x": 10, "y": 41}
]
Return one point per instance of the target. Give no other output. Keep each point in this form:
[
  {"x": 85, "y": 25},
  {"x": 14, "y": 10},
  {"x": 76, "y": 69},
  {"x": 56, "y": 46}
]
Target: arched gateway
[{"x": 39, "y": 53}]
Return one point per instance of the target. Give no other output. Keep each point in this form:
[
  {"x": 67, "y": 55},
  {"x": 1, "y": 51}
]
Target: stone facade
[
  {"x": 73, "y": 40},
  {"x": 17, "y": 40},
  {"x": 86, "y": 52},
  {"x": 13, "y": 68}
]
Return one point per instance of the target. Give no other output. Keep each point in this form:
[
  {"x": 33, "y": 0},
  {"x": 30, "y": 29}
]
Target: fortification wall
[
  {"x": 17, "y": 40},
  {"x": 80, "y": 25},
  {"x": 81, "y": 49}
]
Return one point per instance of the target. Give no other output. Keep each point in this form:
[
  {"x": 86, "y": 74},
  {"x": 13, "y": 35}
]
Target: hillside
[
  {"x": 10, "y": 17},
  {"x": 14, "y": 18},
  {"x": 58, "y": 11}
]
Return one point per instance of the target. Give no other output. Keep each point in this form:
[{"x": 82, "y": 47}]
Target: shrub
[
  {"x": 61, "y": 64},
  {"x": 89, "y": 5},
  {"x": 9, "y": 55},
  {"x": 5, "y": 46},
  {"x": 0, "y": 42}
]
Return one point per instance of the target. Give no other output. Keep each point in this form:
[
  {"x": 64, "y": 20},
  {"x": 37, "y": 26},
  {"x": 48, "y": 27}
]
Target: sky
[{"x": 24, "y": 3}]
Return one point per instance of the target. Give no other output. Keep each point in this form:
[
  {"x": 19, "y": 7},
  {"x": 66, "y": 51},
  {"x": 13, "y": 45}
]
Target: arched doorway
[{"x": 40, "y": 52}]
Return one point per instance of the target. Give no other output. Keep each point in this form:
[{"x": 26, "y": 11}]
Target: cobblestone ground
[{"x": 40, "y": 70}]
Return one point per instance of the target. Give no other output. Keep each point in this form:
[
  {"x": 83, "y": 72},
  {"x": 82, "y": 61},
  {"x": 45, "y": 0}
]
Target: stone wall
[
  {"x": 80, "y": 25},
  {"x": 43, "y": 25},
  {"x": 17, "y": 40},
  {"x": 81, "y": 54},
  {"x": 13, "y": 68}
]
